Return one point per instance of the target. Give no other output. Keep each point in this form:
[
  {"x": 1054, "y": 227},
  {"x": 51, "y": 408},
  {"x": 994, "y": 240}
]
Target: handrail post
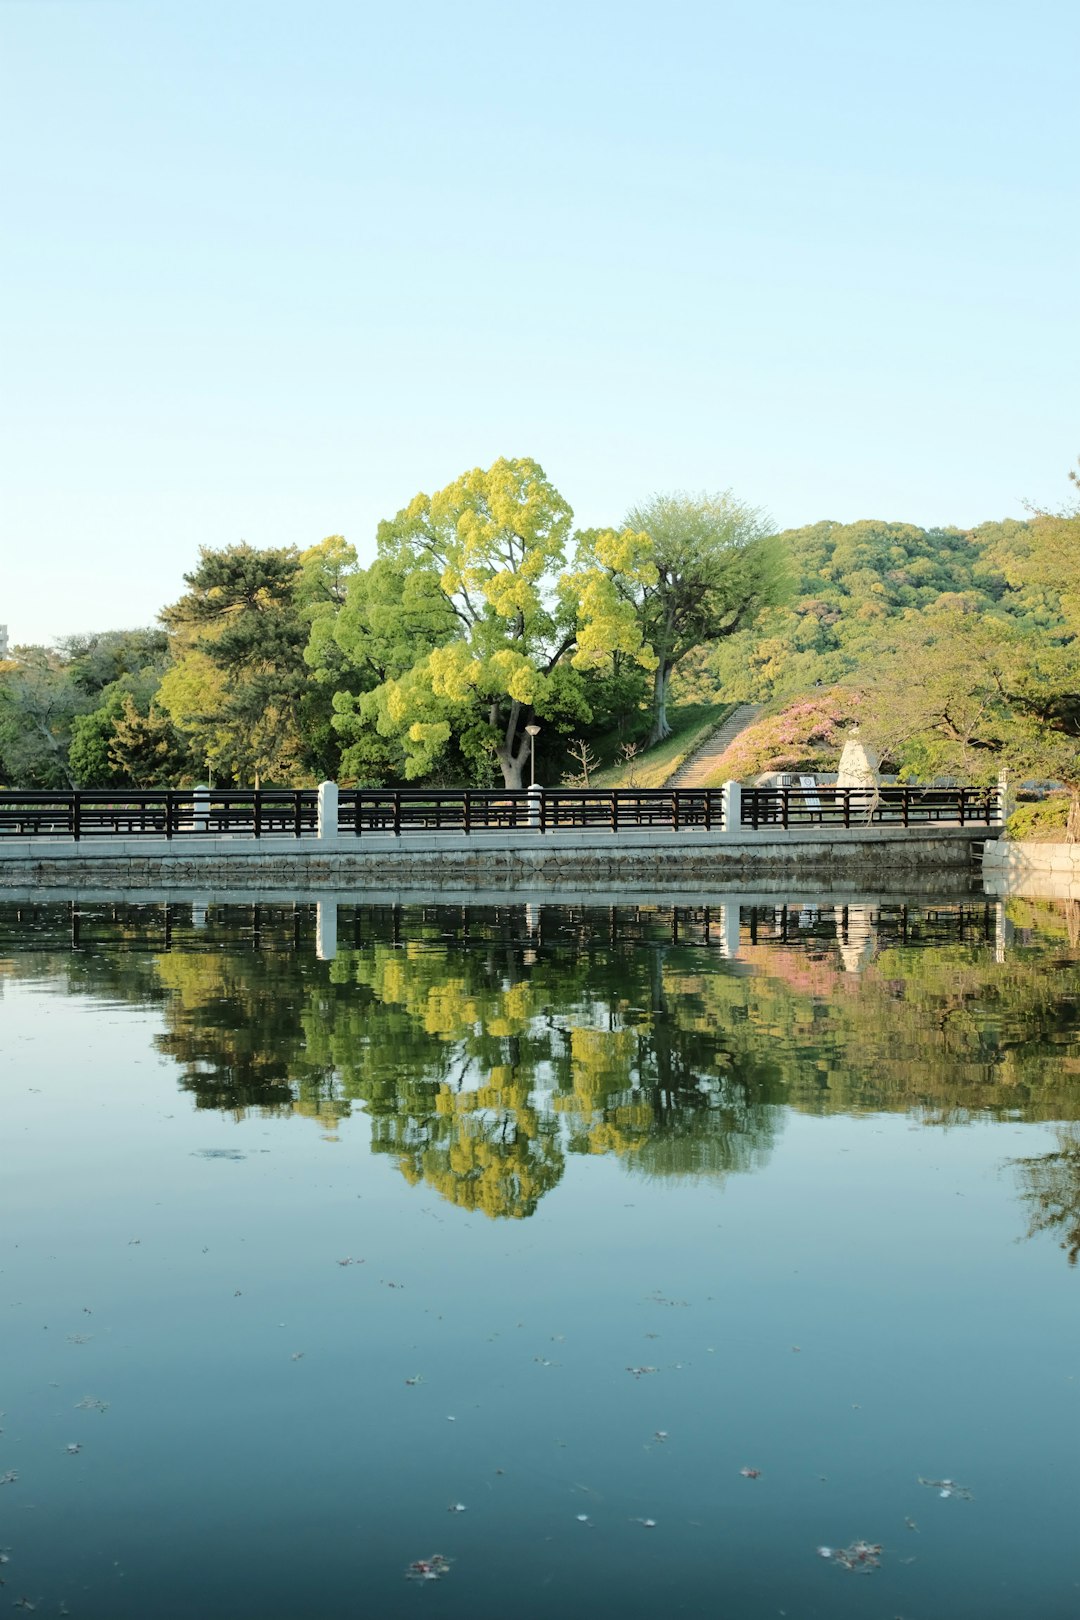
[
  {"x": 327, "y": 822},
  {"x": 1005, "y": 797},
  {"x": 674, "y": 809},
  {"x": 784, "y": 808},
  {"x": 76, "y": 815},
  {"x": 296, "y": 812},
  {"x": 731, "y": 807},
  {"x": 466, "y": 813},
  {"x": 397, "y": 815},
  {"x": 614, "y": 811},
  {"x": 535, "y": 817},
  {"x": 170, "y": 816},
  {"x": 256, "y": 799},
  {"x": 200, "y": 809}
]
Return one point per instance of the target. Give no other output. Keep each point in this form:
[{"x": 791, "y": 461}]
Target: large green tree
[
  {"x": 715, "y": 567},
  {"x": 239, "y": 688},
  {"x": 469, "y": 630}
]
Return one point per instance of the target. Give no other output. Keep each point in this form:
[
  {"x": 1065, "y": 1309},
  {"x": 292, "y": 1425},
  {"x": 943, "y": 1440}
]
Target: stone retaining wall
[
  {"x": 1036, "y": 871},
  {"x": 510, "y": 860}
]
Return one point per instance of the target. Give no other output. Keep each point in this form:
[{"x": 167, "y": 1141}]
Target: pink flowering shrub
[{"x": 796, "y": 737}]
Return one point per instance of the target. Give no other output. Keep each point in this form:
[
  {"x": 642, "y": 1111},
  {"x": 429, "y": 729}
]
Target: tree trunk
[
  {"x": 660, "y": 726},
  {"x": 511, "y": 759},
  {"x": 512, "y": 770}
]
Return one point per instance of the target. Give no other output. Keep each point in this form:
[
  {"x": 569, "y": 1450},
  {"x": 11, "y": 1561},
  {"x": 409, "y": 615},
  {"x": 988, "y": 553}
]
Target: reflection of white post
[
  {"x": 730, "y": 915},
  {"x": 199, "y": 908},
  {"x": 1003, "y": 932},
  {"x": 731, "y": 799},
  {"x": 536, "y": 794},
  {"x": 326, "y": 930},
  {"x": 530, "y": 919},
  {"x": 328, "y": 812}
]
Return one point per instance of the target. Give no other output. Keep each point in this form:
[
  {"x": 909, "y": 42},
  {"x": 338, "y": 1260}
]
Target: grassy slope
[{"x": 691, "y": 723}]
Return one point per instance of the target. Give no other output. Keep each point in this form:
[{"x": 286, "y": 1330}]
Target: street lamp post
[{"x": 533, "y": 732}]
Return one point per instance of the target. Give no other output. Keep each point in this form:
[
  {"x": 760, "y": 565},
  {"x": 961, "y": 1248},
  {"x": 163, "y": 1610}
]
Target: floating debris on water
[
  {"x": 428, "y": 1569},
  {"x": 639, "y": 1372},
  {"x": 750, "y": 1473},
  {"x": 412, "y": 1382},
  {"x": 90, "y": 1403},
  {"x": 73, "y": 1448},
  {"x": 79, "y": 1338},
  {"x": 349, "y": 1261},
  {"x": 860, "y": 1556},
  {"x": 297, "y": 1355},
  {"x": 217, "y": 1153},
  {"x": 9, "y": 1478},
  {"x": 947, "y": 1487},
  {"x": 646, "y": 1524},
  {"x": 582, "y": 1518},
  {"x": 457, "y": 1507},
  {"x": 660, "y": 1436}
]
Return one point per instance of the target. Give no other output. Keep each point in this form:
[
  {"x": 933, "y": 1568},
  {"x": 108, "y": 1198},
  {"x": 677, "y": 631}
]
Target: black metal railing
[
  {"x": 160, "y": 813},
  {"x": 293, "y": 812},
  {"x": 861, "y": 807},
  {"x": 364, "y": 810}
]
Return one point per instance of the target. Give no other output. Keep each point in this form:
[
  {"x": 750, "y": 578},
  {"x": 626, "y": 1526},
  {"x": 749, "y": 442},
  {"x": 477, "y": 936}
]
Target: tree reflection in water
[{"x": 487, "y": 1044}]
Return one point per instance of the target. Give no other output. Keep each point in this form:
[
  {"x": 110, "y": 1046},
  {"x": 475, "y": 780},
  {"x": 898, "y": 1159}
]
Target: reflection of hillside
[{"x": 483, "y": 1052}]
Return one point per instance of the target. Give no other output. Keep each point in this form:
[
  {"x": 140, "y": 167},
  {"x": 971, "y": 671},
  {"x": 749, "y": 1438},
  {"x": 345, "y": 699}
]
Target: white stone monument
[{"x": 859, "y": 765}]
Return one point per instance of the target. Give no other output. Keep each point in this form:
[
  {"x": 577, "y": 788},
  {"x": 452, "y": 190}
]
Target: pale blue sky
[{"x": 268, "y": 269}]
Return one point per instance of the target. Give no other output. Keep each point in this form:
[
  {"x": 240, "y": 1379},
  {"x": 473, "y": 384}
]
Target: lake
[{"x": 540, "y": 1260}]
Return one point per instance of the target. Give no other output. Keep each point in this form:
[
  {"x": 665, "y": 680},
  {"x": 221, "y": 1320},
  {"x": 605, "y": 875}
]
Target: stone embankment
[
  {"x": 511, "y": 860},
  {"x": 1035, "y": 871}
]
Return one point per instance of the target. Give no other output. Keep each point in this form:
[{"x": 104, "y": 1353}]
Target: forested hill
[{"x": 850, "y": 585}]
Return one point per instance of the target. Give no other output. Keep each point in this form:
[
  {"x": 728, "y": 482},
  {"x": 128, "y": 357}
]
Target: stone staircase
[{"x": 694, "y": 771}]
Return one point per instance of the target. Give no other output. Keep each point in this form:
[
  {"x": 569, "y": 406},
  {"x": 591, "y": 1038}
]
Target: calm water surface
[{"x": 563, "y": 1217}]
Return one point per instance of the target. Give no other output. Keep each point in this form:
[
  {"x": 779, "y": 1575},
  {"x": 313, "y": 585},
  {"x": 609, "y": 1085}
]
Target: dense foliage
[{"x": 486, "y": 615}]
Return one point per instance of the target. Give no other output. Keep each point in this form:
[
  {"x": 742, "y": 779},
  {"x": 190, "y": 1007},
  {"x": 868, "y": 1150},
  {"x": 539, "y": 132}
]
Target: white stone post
[
  {"x": 200, "y": 800},
  {"x": 1006, "y": 796},
  {"x": 328, "y": 812},
  {"x": 536, "y": 797},
  {"x": 326, "y": 928},
  {"x": 731, "y": 800}
]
